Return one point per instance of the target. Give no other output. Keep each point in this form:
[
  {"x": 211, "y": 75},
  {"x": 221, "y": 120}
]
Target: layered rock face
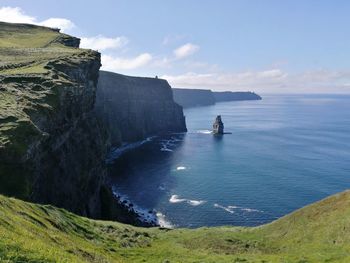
[
  {"x": 53, "y": 143},
  {"x": 193, "y": 97},
  {"x": 134, "y": 108},
  {"x": 52, "y": 146}
]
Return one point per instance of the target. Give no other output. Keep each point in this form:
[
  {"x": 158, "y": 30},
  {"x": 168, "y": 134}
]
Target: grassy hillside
[{"x": 35, "y": 233}]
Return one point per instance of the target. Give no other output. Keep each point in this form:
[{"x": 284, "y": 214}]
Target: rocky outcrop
[
  {"x": 134, "y": 108},
  {"x": 218, "y": 125},
  {"x": 235, "y": 96},
  {"x": 52, "y": 145},
  {"x": 193, "y": 97}
]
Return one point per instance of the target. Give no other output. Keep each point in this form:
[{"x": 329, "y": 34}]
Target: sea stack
[{"x": 218, "y": 126}]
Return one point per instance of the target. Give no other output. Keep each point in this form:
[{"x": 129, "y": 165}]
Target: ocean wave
[
  {"x": 175, "y": 199},
  {"x": 145, "y": 215},
  {"x": 162, "y": 221},
  {"x": 167, "y": 145},
  {"x": 179, "y": 168},
  {"x": 231, "y": 209},
  {"x": 227, "y": 209},
  {"x": 164, "y": 148},
  {"x": 126, "y": 147},
  {"x": 204, "y": 131}
]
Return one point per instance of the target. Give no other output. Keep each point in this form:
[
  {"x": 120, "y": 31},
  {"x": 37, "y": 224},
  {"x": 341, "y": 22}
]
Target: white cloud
[
  {"x": 185, "y": 50},
  {"x": 275, "y": 80},
  {"x": 117, "y": 63},
  {"x": 220, "y": 81},
  {"x": 17, "y": 15},
  {"x": 61, "y": 23},
  {"x": 102, "y": 43}
]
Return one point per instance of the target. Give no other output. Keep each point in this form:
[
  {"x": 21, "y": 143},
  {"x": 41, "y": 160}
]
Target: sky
[{"x": 270, "y": 46}]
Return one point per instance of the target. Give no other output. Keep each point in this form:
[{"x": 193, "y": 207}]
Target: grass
[{"x": 36, "y": 233}]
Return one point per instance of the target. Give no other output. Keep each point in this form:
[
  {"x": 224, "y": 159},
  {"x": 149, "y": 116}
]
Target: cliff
[
  {"x": 134, "y": 108},
  {"x": 235, "y": 96},
  {"x": 33, "y": 233},
  {"x": 52, "y": 145},
  {"x": 193, "y": 97},
  {"x": 202, "y": 97}
]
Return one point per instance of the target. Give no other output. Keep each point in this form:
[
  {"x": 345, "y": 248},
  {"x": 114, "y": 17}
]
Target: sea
[{"x": 282, "y": 153}]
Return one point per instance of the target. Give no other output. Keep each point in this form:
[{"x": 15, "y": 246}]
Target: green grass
[{"x": 35, "y": 233}]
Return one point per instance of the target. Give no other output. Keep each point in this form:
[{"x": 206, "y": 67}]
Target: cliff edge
[
  {"x": 134, "y": 108},
  {"x": 193, "y": 97},
  {"x": 204, "y": 97},
  {"x": 52, "y": 146}
]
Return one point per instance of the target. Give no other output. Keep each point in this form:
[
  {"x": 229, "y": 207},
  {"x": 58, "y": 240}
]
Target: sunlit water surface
[{"x": 284, "y": 152}]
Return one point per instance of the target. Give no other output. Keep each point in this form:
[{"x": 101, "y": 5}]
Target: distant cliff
[
  {"x": 193, "y": 97},
  {"x": 134, "y": 107},
  {"x": 202, "y": 97},
  {"x": 233, "y": 96}
]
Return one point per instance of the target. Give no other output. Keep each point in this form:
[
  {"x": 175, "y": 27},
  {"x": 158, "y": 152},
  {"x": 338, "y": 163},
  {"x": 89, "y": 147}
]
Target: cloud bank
[
  {"x": 17, "y": 15},
  {"x": 118, "y": 63},
  {"x": 102, "y": 43},
  {"x": 274, "y": 80}
]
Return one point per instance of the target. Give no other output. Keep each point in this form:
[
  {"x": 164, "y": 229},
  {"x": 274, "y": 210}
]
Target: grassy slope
[{"x": 34, "y": 233}]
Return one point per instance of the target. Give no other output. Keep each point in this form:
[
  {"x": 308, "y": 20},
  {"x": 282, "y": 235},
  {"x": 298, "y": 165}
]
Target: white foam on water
[
  {"x": 165, "y": 149},
  {"x": 251, "y": 210},
  {"x": 166, "y": 145},
  {"x": 227, "y": 209},
  {"x": 118, "y": 151},
  {"x": 204, "y": 131},
  {"x": 231, "y": 209},
  {"x": 175, "y": 199},
  {"x": 162, "y": 221},
  {"x": 195, "y": 202},
  {"x": 161, "y": 187},
  {"x": 145, "y": 215},
  {"x": 179, "y": 168}
]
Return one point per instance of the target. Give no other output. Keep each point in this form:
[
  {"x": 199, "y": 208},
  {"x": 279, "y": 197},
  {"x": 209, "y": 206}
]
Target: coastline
[{"x": 149, "y": 217}]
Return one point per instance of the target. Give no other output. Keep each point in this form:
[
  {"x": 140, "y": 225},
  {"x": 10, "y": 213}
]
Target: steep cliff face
[
  {"x": 52, "y": 147},
  {"x": 235, "y": 96},
  {"x": 193, "y": 97},
  {"x": 134, "y": 108},
  {"x": 201, "y": 97}
]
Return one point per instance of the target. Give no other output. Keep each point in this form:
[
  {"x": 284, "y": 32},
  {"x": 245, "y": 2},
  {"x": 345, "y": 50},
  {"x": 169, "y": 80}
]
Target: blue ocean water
[{"x": 285, "y": 151}]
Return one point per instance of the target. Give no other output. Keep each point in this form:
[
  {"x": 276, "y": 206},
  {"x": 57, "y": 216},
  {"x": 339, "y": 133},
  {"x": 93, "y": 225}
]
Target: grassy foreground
[{"x": 36, "y": 233}]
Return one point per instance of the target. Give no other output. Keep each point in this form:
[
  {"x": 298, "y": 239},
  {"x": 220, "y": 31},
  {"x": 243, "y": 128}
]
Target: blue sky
[{"x": 265, "y": 46}]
